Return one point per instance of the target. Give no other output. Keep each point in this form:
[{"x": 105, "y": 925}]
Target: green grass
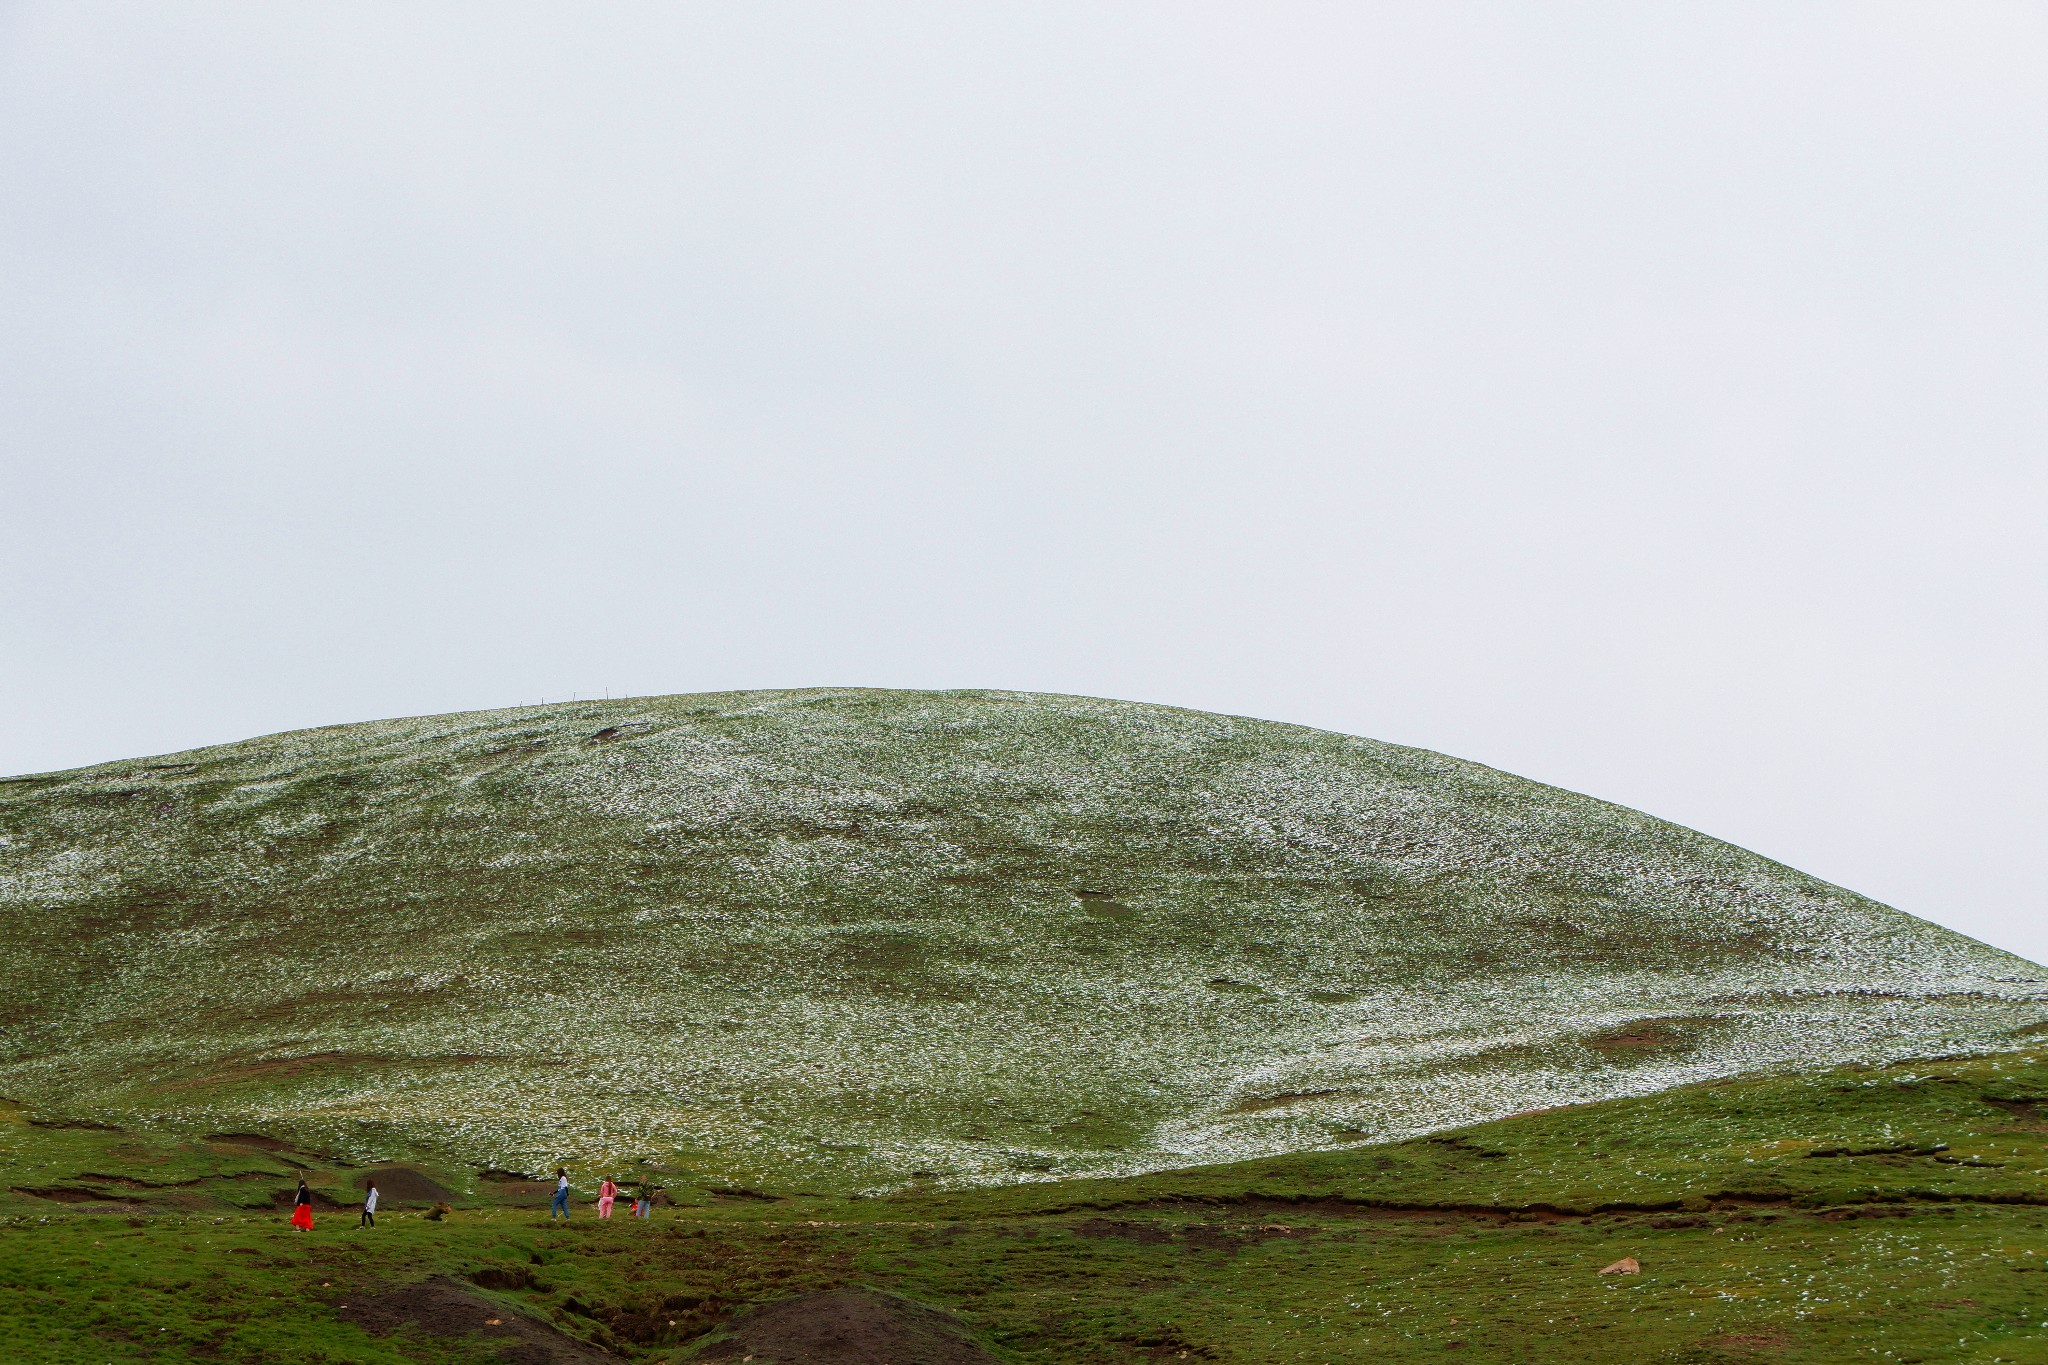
[
  {"x": 1882, "y": 1214},
  {"x": 829, "y": 939}
]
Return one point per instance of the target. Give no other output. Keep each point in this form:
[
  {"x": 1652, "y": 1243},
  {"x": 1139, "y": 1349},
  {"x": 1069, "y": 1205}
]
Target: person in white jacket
[{"x": 369, "y": 1206}]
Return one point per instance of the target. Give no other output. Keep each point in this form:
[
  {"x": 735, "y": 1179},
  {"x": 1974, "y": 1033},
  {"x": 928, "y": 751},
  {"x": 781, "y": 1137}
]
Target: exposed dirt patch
[
  {"x": 282, "y": 1198},
  {"x": 443, "y": 1308},
  {"x": 404, "y": 1185},
  {"x": 1465, "y": 1147},
  {"x": 132, "y": 1183},
  {"x": 72, "y": 1194},
  {"x": 847, "y": 1327},
  {"x": 740, "y": 1192},
  {"x": 1276, "y": 1209},
  {"x": 2032, "y": 1113},
  {"x": 1201, "y": 1236},
  {"x": 276, "y": 1069},
  {"x": 1735, "y": 1205},
  {"x": 1145, "y": 1234},
  {"x": 1648, "y": 1035},
  {"x": 1168, "y": 1345},
  {"x": 1256, "y": 1103},
  {"x": 1279, "y": 1210},
  {"x": 630, "y": 730},
  {"x": 1871, "y": 1211},
  {"x": 1767, "y": 1341},
  {"x": 1892, "y": 1149},
  {"x": 260, "y": 1141},
  {"x": 504, "y": 1277}
]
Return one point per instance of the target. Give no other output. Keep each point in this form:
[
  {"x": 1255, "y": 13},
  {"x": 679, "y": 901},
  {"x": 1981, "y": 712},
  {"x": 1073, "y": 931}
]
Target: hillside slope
[{"x": 841, "y": 937}]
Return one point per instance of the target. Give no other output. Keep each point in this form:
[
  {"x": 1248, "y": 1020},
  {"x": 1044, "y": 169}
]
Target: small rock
[{"x": 1627, "y": 1265}]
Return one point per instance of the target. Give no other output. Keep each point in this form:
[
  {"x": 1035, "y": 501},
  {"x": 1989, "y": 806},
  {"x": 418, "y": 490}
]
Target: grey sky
[{"x": 1646, "y": 399}]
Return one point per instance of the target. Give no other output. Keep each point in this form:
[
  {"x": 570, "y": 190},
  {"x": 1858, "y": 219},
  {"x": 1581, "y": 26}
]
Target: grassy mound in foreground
[
  {"x": 841, "y": 937},
  {"x": 1863, "y": 1214}
]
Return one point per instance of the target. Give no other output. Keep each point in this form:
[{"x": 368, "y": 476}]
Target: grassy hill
[{"x": 844, "y": 939}]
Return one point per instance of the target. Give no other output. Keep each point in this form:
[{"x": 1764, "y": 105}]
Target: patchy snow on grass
[{"x": 839, "y": 936}]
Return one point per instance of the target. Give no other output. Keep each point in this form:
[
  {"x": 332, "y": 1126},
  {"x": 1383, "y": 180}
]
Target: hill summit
[{"x": 851, "y": 937}]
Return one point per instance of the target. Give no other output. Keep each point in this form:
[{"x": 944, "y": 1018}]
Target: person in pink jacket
[{"x": 605, "y": 1194}]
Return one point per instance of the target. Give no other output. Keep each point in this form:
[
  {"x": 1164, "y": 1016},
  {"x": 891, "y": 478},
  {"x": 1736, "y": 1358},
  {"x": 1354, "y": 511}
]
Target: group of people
[
  {"x": 302, "y": 1206},
  {"x": 607, "y": 1195}
]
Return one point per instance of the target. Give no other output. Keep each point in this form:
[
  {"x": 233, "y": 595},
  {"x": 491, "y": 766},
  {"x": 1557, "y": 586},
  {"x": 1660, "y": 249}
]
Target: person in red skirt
[{"x": 302, "y": 1208}]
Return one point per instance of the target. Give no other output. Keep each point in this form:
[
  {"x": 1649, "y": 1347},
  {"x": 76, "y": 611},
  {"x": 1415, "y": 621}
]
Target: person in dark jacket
[{"x": 302, "y": 1207}]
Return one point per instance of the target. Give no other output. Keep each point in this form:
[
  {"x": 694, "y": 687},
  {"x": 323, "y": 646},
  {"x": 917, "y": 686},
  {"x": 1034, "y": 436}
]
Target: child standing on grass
[
  {"x": 302, "y": 1207},
  {"x": 606, "y": 1193},
  {"x": 561, "y": 1204},
  {"x": 369, "y": 1206},
  {"x": 643, "y": 1202}
]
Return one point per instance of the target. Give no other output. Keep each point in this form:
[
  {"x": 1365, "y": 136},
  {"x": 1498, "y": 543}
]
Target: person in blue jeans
[{"x": 561, "y": 1204}]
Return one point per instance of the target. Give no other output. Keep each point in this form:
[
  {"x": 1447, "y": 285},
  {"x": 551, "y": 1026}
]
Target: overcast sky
[{"x": 1648, "y": 399}]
